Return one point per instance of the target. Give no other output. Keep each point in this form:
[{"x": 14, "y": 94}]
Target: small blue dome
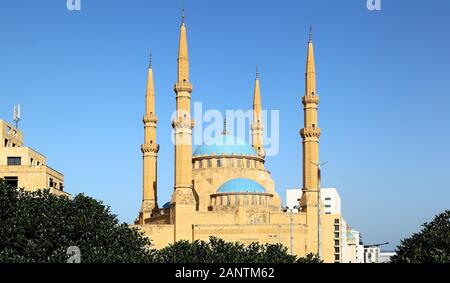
[
  {"x": 166, "y": 205},
  {"x": 241, "y": 185},
  {"x": 225, "y": 144}
]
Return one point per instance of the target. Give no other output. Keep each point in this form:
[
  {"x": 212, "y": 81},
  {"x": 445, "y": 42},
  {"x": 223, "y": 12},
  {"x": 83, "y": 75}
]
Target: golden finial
[
  {"x": 310, "y": 32},
  {"x": 182, "y": 15},
  {"x": 225, "y": 132},
  {"x": 150, "y": 61}
]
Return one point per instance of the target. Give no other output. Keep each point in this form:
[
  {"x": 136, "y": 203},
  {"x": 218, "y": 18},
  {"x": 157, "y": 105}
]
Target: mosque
[{"x": 223, "y": 189}]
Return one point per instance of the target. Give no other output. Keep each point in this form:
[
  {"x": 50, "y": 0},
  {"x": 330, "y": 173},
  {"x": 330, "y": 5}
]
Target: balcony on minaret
[
  {"x": 150, "y": 148},
  {"x": 183, "y": 122},
  {"x": 150, "y": 118},
  {"x": 310, "y": 98},
  {"x": 310, "y": 132},
  {"x": 182, "y": 86}
]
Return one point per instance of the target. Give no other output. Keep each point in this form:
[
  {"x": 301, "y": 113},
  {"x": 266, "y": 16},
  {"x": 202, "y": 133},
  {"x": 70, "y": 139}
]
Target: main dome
[
  {"x": 225, "y": 144},
  {"x": 240, "y": 185}
]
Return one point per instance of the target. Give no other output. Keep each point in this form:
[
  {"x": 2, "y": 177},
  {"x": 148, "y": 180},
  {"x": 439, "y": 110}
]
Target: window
[
  {"x": 336, "y": 235},
  {"x": 200, "y": 164},
  {"x": 208, "y": 163},
  {"x": 61, "y": 186},
  {"x": 51, "y": 183},
  {"x": 336, "y": 221},
  {"x": 219, "y": 163},
  {"x": 14, "y": 161},
  {"x": 336, "y": 242},
  {"x": 31, "y": 161},
  {"x": 336, "y": 249},
  {"x": 327, "y": 198},
  {"x": 328, "y": 205},
  {"x": 12, "y": 181},
  {"x": 6, "y": 142},
  {"x": 327, "y": 212},
  {"x": 336, "y": 257},
  {"x": 336, "y": 227},
  {"x": 248, "y": 163}
]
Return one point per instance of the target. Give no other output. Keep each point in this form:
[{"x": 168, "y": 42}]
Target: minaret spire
[
  {"x": 310, "y": 73},
  {"x": 310, "y": 135},
  {"x": 257, "y": 126},
  {"x": 183, "y": 203},
  {"x": 183, "y": 60},
  {"x": 149, "y": 151}
]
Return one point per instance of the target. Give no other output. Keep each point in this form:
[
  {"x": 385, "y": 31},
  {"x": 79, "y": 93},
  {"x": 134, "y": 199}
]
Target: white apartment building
[{"x": 329, "y": 196}]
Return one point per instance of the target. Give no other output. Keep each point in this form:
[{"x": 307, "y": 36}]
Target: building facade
[
  {"x": 23, "y": 167},
  {"x": 223, "y": 188}
]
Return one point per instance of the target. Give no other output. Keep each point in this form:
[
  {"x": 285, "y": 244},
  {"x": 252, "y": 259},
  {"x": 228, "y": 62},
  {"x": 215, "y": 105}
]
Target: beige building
[
  {"x": 223, "y": 188},
  {"x": 24, "y": 167}
]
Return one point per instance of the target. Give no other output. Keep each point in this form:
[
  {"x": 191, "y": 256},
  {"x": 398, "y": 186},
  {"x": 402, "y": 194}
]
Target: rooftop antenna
[{"x": 17, "y": 115}]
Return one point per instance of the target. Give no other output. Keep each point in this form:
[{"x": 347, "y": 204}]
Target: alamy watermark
[
  {"x": 374, "y": 5},
  {"x": 210, "y": 126},
  {"x": 74, "y": 254},
  {"x": 73, "y": 5}
]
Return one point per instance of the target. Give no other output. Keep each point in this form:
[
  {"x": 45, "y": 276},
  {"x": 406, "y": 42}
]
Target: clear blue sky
[{"x": 383, "y": 79}]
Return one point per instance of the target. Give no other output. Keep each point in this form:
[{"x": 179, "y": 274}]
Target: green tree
[
  {"x": 219, "y": 251},
  {"x": 431, "y": 245},
  {"x": 40, "y": 227}
]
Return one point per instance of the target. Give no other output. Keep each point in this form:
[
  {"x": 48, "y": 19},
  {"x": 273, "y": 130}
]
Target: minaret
[
  {"x": 310, "y": 135},
  {"x": 257, "y": 125},
  {"x": 183, "y": 201},
  {"x": 149, "y": 151}
]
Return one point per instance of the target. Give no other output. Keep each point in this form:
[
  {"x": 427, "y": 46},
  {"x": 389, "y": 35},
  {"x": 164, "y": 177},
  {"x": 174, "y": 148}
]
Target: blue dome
[
  {"x": 166, "y": 205},
  {"x": 241, "y": 185},
  {"x": 225, "y": 144}
]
